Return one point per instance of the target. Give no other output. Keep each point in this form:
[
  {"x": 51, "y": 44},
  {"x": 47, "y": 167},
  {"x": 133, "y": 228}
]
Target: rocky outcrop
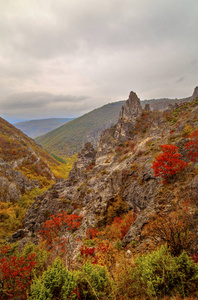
[
  {"x": 120, "y": 169},
  {"x": 49, "y": 203},
  {"x": 97, "y": 178},
  {"x": 128, "y": 115},
  {"x": 131, "y": 109},
  {"x": 195, "y": 93},
  {"x": 86, "y": 158},
  {"x": 13, "y": 184},
  {"x": 94, "y": 136}
]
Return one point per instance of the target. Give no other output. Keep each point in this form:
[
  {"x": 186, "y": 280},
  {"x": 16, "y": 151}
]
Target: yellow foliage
[
  {"x": 12, "y": 215},
  {"x": 62, "y": 170}
]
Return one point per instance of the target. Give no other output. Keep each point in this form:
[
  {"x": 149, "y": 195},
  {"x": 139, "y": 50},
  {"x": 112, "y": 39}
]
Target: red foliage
[
  {"x": 16, "y": 274},
  {"x": 52, "y": 227},
  {"x": 192, "y": 146},
  {"x": 91, "y": 233},
  {"x": 87, "y": 251},
  {"x": 195, "y": 257},
  {"x": 124, "y": 224},
  {"x": 168, "y": 163},
  {"x": 172, "y": 131}
]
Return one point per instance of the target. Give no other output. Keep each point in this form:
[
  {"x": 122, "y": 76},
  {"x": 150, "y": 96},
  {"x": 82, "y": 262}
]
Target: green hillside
[
  {"x": 69, "y": 138},
  {"x": 36, "y": 128}
]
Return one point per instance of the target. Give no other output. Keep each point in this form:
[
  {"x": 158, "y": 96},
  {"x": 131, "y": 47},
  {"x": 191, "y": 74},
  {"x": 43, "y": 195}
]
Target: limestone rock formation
[
  {"x": 131, "y": 109},
  {"x": 121, "y": 168},
  {"x": 128, "y": 115},
  {"x": 195, "y": 93},
  {"x": 86, "y": 158},
  {"x": 13, "y": 184}
]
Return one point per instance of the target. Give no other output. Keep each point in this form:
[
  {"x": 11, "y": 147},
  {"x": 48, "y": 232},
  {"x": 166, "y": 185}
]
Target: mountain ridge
[
  {"x": 69, "y": 138},
  {"x": 35, "y": 128},
  {"x": 118, "y": 177}
]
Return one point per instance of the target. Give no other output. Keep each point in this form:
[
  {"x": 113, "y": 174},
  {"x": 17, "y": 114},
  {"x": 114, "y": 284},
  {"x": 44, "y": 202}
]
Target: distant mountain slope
[
  {"x": 36, "y": 128},
  {"x": 69, "y": 138}
]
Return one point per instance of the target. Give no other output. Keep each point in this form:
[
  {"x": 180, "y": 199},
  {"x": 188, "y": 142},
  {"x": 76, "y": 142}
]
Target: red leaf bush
[{"x": 168, "y": 163}]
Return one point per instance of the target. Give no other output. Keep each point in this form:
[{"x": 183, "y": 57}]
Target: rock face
[
  {"x": 86, "y": 158},
  {"x": 131, "y": 109},
  {"x": 128, "y": 115},
  {"x": 97, "y": 178},
  {"x": 195, "y": 93},
  {"x": 120, "y": 170},
  {"x": 13, "y": 184}
]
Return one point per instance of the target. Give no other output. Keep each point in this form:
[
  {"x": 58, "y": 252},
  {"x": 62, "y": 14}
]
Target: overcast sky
[{"x": 62, "y": 58}]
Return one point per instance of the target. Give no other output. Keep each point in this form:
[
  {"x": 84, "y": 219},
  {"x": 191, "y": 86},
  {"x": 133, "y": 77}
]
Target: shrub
[
  {"x": 159, "y": 274},
  {"x": 94, "y": 282},
  {"x": 56, "y": 283},
  {"x": 52, "y": 227},
  {"x": 168, "y": 163},
  {"x": 15, "y": 273},
  {"x": 174, "y": 229}
]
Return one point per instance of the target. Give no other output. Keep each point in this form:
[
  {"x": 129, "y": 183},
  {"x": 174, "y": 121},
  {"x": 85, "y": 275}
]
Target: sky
[{"x": 63, "y": 58}]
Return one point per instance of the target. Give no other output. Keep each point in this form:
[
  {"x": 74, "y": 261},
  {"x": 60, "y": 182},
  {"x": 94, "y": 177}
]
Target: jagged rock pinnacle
[
  {"x": 128, "y": 115},
  {"x": 131, "y": 109},
  {"x": 195, "y": 93}
]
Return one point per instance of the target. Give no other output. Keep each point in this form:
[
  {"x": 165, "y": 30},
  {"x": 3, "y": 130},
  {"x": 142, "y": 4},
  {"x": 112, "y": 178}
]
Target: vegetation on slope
[
  {"x": 161, "y": 264},
  {"x": 68, "y": 139},
  {"x": 22, "y": 154}
]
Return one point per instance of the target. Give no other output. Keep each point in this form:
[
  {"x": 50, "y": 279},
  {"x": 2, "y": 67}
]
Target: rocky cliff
[{"x": 118, "y": 178}]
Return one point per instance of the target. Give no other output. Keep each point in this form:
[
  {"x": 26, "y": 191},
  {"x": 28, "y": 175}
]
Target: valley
[{"x": 127, "y": 208}]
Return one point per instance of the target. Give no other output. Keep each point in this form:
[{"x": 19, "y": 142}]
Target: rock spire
[
  {"x": 195, "y": 93},
  {"x": 128, "y": 115},
  {"x": 131, "y": 109}
]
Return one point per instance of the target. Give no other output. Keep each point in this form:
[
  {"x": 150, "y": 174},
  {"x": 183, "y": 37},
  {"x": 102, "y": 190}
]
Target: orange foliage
[
  {"x": 119, "y": 227},
  {"x": 173, "y": 229}
]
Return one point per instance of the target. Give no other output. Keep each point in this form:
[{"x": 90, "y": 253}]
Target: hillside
[
  {"x": 69, "y": 138},
  {"x": 125, "y": 221},
  {"x": 25, "y": 171},
  {"x": 35, "y": 128}
]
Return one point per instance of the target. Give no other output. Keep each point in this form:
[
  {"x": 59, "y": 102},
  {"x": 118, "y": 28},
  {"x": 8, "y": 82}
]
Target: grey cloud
[
  {"x": 43, "y": 105},
  {"x": 101, "y": 49},
  {"x": 39, "y": 100},
  {"x": 74, "y": 27},
  {"x": 180, "y": 79}
]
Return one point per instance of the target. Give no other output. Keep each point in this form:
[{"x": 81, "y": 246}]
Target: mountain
[
  {"x": 69, "y": 138},
  {"x": 125, "y": 221},
  {"x": 36, "y": 128},
  {"x": 119, "y": 178}
]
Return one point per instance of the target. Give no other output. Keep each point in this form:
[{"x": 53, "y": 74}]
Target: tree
[{"x": 168, "y": 163}]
